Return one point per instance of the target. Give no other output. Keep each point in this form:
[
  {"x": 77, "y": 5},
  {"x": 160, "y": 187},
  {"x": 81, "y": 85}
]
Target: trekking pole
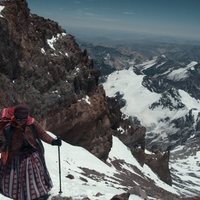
[{"x": 59, "y": 164}]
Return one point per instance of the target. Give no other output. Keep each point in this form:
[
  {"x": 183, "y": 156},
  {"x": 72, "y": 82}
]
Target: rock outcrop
[
  {"x": 42, "y": 65},
  {"x": 159, "y": 163},
  {"x": 132, "y": 134},
  {"x": 85, "y": 123},
  {"x": 124, "y": 196}
]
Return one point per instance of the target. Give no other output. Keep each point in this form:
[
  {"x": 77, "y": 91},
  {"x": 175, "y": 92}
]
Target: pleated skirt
[{"x": 25, "y": 177}]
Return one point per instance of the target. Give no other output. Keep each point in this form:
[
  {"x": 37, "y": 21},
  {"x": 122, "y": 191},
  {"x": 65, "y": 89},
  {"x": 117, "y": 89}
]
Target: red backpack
[{"x": 8, "y": 114}]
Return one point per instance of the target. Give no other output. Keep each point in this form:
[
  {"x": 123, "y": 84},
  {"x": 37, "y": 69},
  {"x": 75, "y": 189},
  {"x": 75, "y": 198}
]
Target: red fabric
[
  {"x": 4, "y": 157},
  {"x": 20, "y": 134},
  {"x": 8, "y": 113},
  {"x": 8, "y": 117}
]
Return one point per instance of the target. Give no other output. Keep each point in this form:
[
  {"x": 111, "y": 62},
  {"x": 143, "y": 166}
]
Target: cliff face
[
  {"x": 42, "y": 65},
  {"x": 37, "y": 55}
]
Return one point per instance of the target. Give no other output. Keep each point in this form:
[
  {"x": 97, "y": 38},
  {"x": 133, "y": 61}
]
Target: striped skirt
[{"x": 25, "y": 177}]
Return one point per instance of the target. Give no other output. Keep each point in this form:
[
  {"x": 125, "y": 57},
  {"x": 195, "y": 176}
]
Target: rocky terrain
[
  {"x": 167, "y": 90},
  {"x": 118, "y": 55},
  {"x": 166, "y": 68},
  {"x": 43, "y": 66},
  {"x": 110, "y": 58}
]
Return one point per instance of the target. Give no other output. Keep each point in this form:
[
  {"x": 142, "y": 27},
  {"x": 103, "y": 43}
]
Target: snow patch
[
  {"x": 188, "y": 101},
  {"x": 86, "y": 99},
  {"x": 121, "y": 152},
  {"x": 186, "y": 168},
  {"x": 1, "y": 8},
  {"x": 121, "y": 130},
  {"x": 55, "y": 92},
  {"x": 138, "y": 98},
  {"x": 107, "y": 57},
  {"x": 51, "y": 41},
  {"x": 77, "y": 69},
  {"x": 43, "y": 51},
  {"x": 159, "y": 65},
  {"x": 181, "y": 73},
  {"x": 147, "y": 64}
]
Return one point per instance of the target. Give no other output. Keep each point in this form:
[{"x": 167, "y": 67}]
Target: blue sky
[{"x": 161, "y": 17}]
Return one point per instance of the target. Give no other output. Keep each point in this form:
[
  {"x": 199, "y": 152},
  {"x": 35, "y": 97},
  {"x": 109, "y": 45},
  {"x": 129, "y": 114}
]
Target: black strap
[
  {"x": 38, "y": 141},
  {"x": 8, "y": 132}
]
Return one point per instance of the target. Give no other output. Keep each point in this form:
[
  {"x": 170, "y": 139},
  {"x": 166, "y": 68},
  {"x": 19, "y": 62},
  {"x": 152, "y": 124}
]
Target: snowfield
[{"x": 74, "y": 158}]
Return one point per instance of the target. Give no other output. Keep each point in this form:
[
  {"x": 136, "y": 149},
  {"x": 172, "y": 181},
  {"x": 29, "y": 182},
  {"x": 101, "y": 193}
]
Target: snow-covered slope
[
  {"x": 156, "y": 111},
  {"x": 171, "y": 118},
  {"x": 181, "y": 73},
  {"x": 139, "y": 99},
  {"x": 185, "y": 171},
  {"x": 102, "y": 178},
  {"x": 74, "y": 159}
]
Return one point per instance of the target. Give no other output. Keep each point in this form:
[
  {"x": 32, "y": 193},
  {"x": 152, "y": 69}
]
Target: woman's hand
[{"x": 57, "y": 142}]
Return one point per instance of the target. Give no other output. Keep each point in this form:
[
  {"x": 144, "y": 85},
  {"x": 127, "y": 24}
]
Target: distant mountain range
[
  {"x": 161, "y": 88},
  {"x": 127, "y": 131}
]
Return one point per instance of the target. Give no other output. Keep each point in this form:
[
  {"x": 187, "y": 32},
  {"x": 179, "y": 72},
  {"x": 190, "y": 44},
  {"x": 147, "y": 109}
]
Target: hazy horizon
[{"x": 172, "y": 18}]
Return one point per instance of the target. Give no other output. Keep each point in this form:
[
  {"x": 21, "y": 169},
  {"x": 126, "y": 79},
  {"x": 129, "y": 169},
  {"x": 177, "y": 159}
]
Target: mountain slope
[
  {"x": 90, "y": 177},
  {"x": 171, "y": 118}
]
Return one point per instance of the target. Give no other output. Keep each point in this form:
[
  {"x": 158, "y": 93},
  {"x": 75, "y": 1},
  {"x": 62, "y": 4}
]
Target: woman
[{"x": 23, "y": 172}]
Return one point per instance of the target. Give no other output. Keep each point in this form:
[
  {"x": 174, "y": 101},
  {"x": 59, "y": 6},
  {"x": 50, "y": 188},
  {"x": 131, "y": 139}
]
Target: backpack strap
[
  {"x": 38, "y": 140},
  {"x": 8, "y": 132}
]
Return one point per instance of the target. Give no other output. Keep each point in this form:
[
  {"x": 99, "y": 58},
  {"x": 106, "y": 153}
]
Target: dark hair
[{"x": 21, "y": 111}]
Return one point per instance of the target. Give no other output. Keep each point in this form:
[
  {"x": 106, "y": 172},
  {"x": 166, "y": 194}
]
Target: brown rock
[
  {"x": 159, "y": 163},
  {"x": 123, "y": 196},
  {"x": 85, "y": 124}
]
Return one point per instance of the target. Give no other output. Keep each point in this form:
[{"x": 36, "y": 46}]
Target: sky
[{"x": 178, "y": 18}]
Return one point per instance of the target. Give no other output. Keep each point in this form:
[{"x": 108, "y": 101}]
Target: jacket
[{"x": 19, "y": 134}]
